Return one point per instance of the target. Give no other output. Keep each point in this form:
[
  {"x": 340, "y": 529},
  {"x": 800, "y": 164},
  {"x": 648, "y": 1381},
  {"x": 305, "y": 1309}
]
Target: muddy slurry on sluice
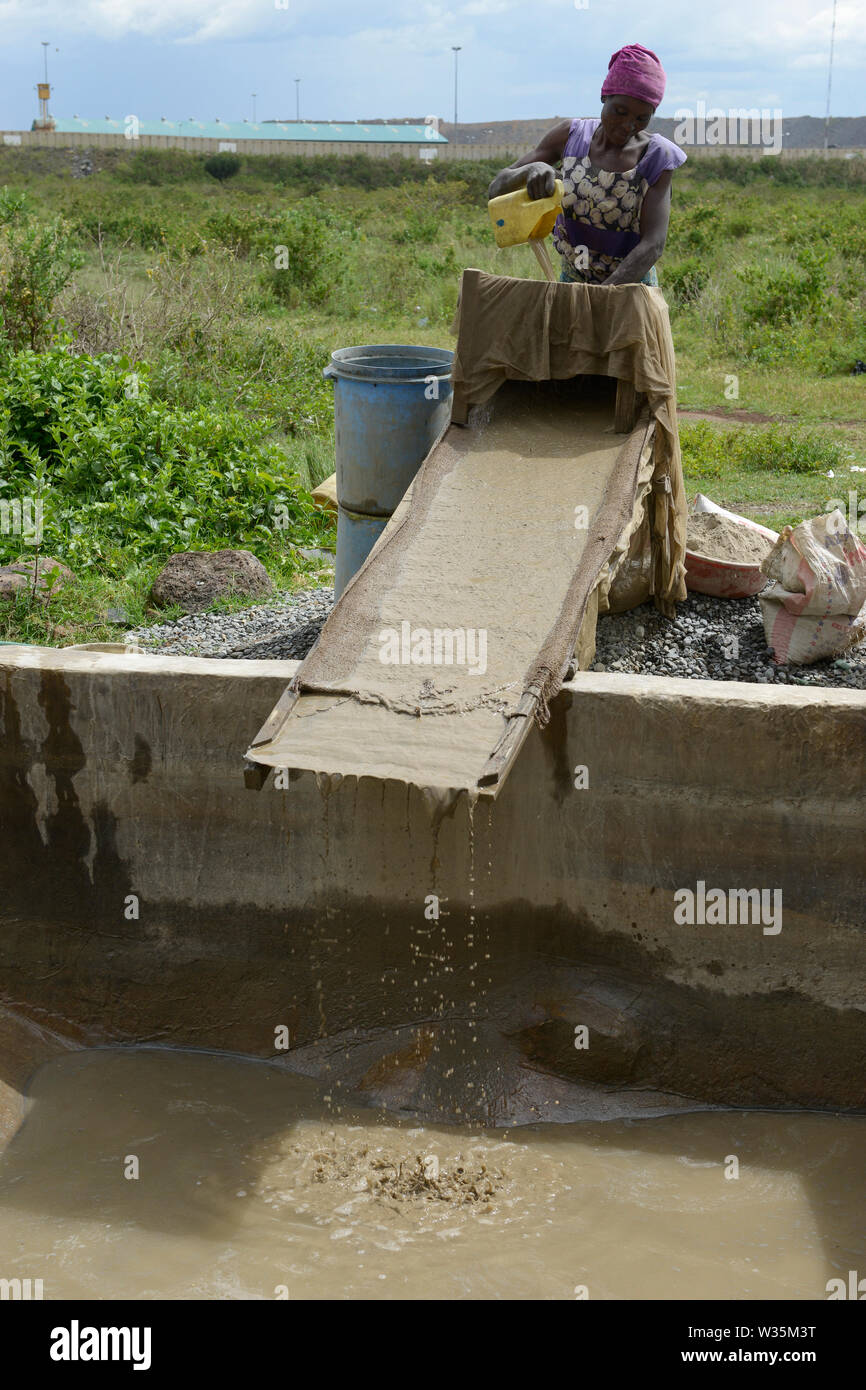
[{"x": 149, "y": 1174}]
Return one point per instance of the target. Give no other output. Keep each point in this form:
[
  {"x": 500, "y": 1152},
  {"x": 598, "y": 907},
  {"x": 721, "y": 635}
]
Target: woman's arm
[
  {"x": 535, "y": 170},
  {"x": 654, "y": 218}
]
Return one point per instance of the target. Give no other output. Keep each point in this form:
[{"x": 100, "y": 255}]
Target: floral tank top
[{"x": 600, "y": 220}]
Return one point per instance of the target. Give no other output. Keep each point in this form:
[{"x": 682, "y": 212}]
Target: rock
[
  {"x": 194, "y": 579},
  {"x": 50, "y": 575}
]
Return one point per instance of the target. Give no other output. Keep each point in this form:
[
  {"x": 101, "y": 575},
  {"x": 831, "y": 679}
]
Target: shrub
[
  {"x": 705, "y": 449},
  {"x": 36, "y": 262},
  {"x": 155, "y": 166},
  {"x": 810, "y": 170},
  {"x": 119, "y": 225},
  {"x": 684, "y": 280},
  {"x": 236, "y": 230},
  {"x": 739, "y": 226},
  {"x": 784, "y": 294},
  {"x": 127, "y": 479},
  {"x": 697, "y": 227},
  {"x": 782, "y": 449},
  {"x": 709, "y": 451},
  {"x": 192, "y": 304},
  {"x": 301, "y": 253},
  {"x": 222, "y": 166}
]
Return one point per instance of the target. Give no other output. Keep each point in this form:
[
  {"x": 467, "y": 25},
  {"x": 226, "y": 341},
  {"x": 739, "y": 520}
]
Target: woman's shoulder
[
  {"x": 580, "y": 133},
  {"x": 661, "y": 154}
]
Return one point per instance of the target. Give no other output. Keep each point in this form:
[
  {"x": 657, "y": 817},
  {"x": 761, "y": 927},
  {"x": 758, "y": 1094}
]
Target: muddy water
[{"x": 250, "y": 1186}]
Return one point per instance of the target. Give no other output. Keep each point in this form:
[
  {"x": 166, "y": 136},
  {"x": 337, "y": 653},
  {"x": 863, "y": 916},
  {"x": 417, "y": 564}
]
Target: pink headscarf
[{"x": 635, "y": 71}]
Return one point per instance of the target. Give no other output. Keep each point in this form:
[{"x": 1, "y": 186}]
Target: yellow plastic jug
[{"x": 516, "y": 217}]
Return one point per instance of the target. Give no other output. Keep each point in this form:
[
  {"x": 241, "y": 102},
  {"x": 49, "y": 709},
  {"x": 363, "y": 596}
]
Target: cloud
[
  {"x": 192, "y": 21},
  {"x": 547, "y": 56},
  {"x": 738, "y": 30}
]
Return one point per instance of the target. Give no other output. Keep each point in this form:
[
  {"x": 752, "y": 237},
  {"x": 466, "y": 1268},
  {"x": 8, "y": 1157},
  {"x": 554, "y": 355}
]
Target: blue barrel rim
[{"x": 370, "y": 362}]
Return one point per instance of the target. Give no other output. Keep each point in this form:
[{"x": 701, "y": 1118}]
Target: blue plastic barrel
[
  {"x": 356, "y": 536},
  {"x": 390, "y": 405}
]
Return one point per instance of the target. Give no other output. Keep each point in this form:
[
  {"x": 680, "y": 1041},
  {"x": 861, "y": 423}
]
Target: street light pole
[
  {"x": 455, "y": 49},
  {"x": 829, "y": 82},
  {"x": 254, "y": 108},
  {"x": 297, "y": 98}
]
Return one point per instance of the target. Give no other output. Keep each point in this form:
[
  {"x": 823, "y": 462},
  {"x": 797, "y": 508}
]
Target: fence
[{"x": 376, "y": 149}]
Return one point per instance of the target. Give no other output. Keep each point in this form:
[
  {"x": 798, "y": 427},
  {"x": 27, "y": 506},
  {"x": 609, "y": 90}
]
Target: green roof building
[{"x": 264, "y": 135}]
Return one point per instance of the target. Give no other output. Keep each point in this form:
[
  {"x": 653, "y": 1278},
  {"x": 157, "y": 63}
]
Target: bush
[
  {"x": 36, "y": 262},
  {"x": 712, "y": 452},
  {"x": 739, "y": 226},
  {"x": 301, "y": 253},
  {"x": 781, "y": 449},
  {"x": 233, "y": 229},
  {"x": 156, "y": 166},
  {"x": 810, "y": 170},
  {"x": 684, "y": 280},
  {"x": 697, "y": 227},
  {"x": 192, "y": 304},
  {"x": 126, "y": 479},
  {"x": 119, "y": 225},
  {"x": 222, "y": 166},
  {"x": 784, "y": 295}
]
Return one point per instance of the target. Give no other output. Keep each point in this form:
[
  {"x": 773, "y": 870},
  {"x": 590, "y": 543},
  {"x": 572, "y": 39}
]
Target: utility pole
[
  {"x": 829, "y": 82},
  {"x": 297, "y": 98},
  {"x": 43, "y": 91},
  {"x": 455, "y": 48}
]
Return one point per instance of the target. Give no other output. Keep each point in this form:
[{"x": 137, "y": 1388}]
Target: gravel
[
  {"x": 283, "y": 628},
  {"x": 711, "y": 639}
]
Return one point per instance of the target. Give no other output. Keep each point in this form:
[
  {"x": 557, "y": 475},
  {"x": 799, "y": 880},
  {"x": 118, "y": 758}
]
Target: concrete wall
[
  {"x": 376, "y": 149},
  {"x": 196, "y": 144},
  {"x": 147, "y": 895}
]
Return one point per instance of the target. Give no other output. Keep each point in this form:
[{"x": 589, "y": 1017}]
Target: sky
[{"x": 518, "y": 59}]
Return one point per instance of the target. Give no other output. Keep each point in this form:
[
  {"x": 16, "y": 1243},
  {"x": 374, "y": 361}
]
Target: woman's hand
[
  {"x": 540, "y": 180},
  {"x": 534, "y": 171}
]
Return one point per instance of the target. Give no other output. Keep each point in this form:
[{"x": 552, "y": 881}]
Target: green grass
[
  {"x": 777, "y": 475},
  {"x": 78, "y": 612},
  {"x": 180, "y": 281}
]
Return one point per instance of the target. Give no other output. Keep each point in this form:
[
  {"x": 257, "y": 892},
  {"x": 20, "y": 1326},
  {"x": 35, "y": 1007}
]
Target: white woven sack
[{"x": 814, "y": 608}]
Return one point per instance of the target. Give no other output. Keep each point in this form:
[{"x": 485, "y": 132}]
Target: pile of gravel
[
  {"x": 711, "y": 639},
  {"x": 283, "y": 628}
]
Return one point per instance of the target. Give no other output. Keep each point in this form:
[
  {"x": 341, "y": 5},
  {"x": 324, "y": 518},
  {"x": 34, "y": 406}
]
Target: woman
[{"x": 617, "y": 199}]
